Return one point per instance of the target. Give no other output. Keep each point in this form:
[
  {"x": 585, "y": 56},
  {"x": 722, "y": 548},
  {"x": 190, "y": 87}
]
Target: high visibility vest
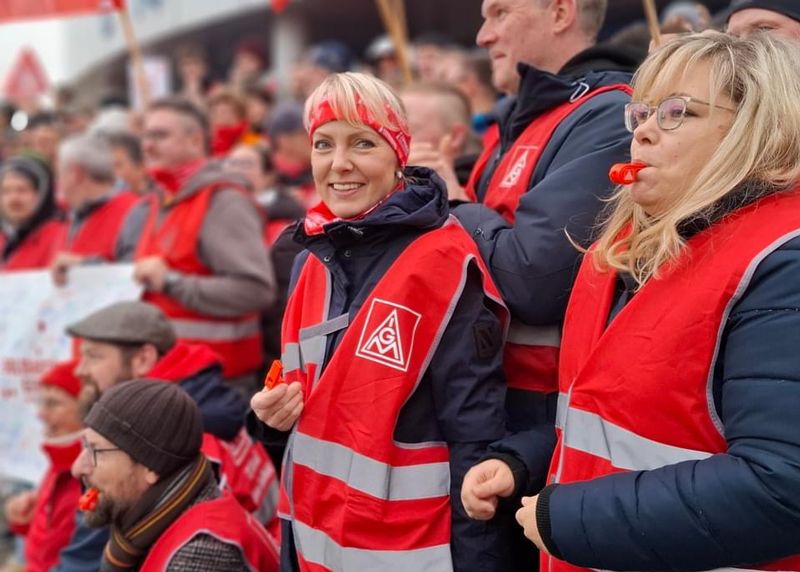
[
  {"x": 37, "y": 249},
  {"x": 98, "y": 234},
  {"x": 611, "y": 418},
  {"x": 358, "y": 500},
  {"x": 247, "y": 472},
  {"x": 531, "y": 352},
  {"x": 237, "y": 341},
  {"x": 226, "y": 521}
]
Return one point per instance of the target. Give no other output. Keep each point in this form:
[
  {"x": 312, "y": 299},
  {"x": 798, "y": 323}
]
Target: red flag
[
  {"x": 35, "y": 9},
  {"x": 279, "y": 6}
]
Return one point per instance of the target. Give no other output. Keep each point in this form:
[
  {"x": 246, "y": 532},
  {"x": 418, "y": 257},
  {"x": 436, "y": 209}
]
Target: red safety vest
[
  {"x": 237, "y": 341},
  {"x": 357, "y": 499},
  {"x": 611, "y": 418},
  {"x": 226, "y": 521},
  {"x": 98, "y": 234},
  {"x": 531, "y": 353},
  {"x": 247, "y": 472},
  {"x": 38, "y": 248}
]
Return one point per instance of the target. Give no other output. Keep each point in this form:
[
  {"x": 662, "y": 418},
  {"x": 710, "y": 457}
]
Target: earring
[{"x": 399, "y": 174}]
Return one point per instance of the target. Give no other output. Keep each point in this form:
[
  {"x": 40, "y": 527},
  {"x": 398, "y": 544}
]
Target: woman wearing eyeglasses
[{"x": 678, "y": 434}]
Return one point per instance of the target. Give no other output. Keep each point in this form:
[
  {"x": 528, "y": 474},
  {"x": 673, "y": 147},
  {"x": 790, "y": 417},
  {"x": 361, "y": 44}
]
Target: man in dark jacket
[
  {"x": 128, "y": 340},
  {"x": 551, "y": 174}
]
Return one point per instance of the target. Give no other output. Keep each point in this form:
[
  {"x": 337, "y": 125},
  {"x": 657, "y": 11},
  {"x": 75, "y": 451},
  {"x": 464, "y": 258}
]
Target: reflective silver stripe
[
  {"x": 592, "y": 434},
  {"x": 373, "y": 477},
  {"x": 325, "y": 328},
  {"x": 561, "y": 410},
  {"x": 317, "y": 547},
  {"x": 312, "y": 350},
  {"x": 214, "y": 331},
  {"x": 525, "y": 335},
  {"x": 291, "y": 357}
]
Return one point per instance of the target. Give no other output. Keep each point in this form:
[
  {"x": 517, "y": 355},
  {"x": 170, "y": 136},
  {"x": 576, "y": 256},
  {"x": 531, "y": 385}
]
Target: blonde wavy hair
[
  {"x": 346, "y": 91},
  {"x": 761, "y": 75}
]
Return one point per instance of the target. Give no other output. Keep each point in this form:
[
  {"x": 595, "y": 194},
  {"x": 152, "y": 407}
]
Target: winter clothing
[
  {"x": 678, "y": 443},
  {"x": 456, "y": 400},
  {"x": 786, "y": 7},
  {"x": 33, "y": 244},
  {"x": 209, "y": 233},
  {"x": 157, "y": 424},
  {"x": 127, "y": 323},
  {"x": 63, "y": 377},
  {"x": 54, "y": 515},
  {"x": 94, "y": 228}
]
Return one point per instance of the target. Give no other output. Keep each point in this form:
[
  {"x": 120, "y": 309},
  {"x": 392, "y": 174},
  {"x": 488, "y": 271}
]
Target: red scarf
[
  {"x": 62, "y": 455},
  {"x": 225, "y": 137},
  {"x": 172, "y": 179},
  {"x": 317, "y": 217}
]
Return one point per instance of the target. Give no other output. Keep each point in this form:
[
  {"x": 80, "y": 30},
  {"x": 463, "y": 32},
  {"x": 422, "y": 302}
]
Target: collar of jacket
[
  {"x": 539, "y": 90},
  {"x": 420, "y": 206}
]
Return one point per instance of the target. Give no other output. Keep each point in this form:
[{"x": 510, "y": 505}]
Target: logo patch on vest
[
  {"x": 388, "y": 334},
  {"x": 518, "y": 165}
]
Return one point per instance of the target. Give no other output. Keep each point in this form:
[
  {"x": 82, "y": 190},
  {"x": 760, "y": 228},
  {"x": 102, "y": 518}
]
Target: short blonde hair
[
  {"x": 761, "y": 150},
  {"x": 346, "y": 92}
]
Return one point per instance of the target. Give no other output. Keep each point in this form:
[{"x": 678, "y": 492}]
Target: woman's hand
[
  {"x": 280, "y": 406},
  {"x": 483, "y": 485},
  {"x": 526, "y": 517}
]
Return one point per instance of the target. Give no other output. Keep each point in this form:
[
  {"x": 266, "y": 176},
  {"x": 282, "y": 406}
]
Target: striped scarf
[{"x": 161, "y": 505}]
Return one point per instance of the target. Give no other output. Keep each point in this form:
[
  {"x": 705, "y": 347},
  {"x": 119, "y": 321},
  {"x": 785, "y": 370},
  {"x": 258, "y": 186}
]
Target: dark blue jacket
[
  {"x": 736, "y": 508},
  {"x": 460, "y": 399},
  {"x": 223, "y": 411}
]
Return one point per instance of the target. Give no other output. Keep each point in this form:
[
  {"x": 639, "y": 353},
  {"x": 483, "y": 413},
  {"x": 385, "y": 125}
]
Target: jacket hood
[
  {"x": 211, "y": 174},
  {"x": 598, "y": 66},
  {"x": 184, "y": 361},
  {"x": 421, "y": 205}
]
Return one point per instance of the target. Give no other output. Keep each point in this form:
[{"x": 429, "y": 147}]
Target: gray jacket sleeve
[
  {"x": 533, "y": 261},
  {"x": 232, "y": 245}
]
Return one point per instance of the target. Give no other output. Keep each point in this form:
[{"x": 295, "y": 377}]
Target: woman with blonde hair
[
  {"x": 391, "y": 349},
  {"x": 678, "y": 436}
]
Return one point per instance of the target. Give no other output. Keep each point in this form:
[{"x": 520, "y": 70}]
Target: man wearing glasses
[{"x": 156, "y": 490}]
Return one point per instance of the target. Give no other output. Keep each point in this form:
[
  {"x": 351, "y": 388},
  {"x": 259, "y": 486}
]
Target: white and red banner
[
  {"x": 11, "y": 10},
  {"x": 33, "y": 316}
]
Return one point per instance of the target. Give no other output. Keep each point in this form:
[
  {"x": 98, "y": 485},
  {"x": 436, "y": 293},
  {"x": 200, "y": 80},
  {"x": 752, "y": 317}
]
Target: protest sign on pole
[{"x": 35, "y": 314}]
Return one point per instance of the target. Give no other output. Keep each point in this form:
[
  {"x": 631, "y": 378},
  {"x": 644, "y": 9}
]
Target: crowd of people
[{"x": 488, "y": 356}]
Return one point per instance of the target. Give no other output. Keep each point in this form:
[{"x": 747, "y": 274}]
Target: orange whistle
[
  {"x": 274, "y": 375},
  {"x": 625, "y": 173},
  {"x": 88, "y": 500}
]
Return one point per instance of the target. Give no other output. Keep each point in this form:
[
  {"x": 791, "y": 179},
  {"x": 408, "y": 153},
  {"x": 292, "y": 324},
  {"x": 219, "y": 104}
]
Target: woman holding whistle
[
  {"x": 678, "y": 434},
  {"x": 391, "y": 354}
]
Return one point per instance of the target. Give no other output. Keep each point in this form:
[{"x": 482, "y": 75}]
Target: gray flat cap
[{"x": 127, "y": 323}]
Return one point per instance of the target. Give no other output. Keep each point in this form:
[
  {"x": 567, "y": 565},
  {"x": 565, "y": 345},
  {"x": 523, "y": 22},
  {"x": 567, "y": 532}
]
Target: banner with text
[{"x": 33, "y": 316}]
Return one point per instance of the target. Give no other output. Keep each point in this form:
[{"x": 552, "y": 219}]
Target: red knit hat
[{"x": 61, "y": 375}]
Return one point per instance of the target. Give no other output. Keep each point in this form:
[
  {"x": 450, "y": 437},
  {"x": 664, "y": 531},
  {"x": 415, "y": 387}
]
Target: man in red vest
[
  {"x": 141, "y": 459},
  {"x": 197, "y": 244},
  {"x": 97, "y": 208},
  {"x": 537, "y": 187}
]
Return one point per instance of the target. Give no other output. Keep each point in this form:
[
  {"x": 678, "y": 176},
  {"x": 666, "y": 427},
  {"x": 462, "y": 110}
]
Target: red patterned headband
[{"x": 398, "y": 139}]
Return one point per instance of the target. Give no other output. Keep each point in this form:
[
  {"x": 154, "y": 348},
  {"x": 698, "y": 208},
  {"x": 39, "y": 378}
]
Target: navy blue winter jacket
[{"x": 460, "y": 399}]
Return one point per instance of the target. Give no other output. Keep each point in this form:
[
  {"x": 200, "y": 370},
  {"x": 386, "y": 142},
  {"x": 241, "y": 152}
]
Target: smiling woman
[{"x": 391, "y": 347}]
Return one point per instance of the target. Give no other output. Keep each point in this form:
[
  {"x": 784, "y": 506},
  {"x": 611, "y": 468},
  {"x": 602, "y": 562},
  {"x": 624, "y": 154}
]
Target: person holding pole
[{"x": 678, "y": 443}]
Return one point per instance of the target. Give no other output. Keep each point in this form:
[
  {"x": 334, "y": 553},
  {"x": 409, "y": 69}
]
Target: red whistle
[
  {"x": 625, "y": 173},
  {"x": 88, "y": 500},
  {"x": 274, "y": 375}
]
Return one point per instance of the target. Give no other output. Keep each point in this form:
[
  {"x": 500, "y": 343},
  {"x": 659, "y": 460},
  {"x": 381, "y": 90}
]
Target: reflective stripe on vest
[
  {"x": 367, "y": 475},
  {"x": 319, "y": 548},
  {"x": 525, "y": 335},
  {"x": 215, "y": 331}
]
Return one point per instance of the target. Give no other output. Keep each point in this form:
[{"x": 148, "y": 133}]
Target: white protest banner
[{"x": 33, "y": 316}]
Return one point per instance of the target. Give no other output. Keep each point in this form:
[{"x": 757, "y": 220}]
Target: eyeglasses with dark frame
[
  {"x": 670, "y": 112},
  {"x": 93, "y": 451}
]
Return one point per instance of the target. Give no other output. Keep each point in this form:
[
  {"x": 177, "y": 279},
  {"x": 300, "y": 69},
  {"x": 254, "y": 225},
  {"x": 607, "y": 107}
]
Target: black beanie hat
[
  {"x": 790, "y": 8},
  {"x": 154, "y": 422}
]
